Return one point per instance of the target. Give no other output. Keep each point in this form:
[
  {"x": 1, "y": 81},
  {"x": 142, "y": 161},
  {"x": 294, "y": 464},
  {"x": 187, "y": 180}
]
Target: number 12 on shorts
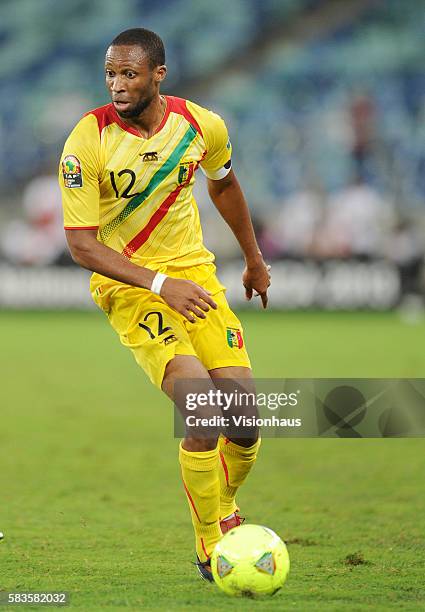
[{"x": 159, "y": 327}]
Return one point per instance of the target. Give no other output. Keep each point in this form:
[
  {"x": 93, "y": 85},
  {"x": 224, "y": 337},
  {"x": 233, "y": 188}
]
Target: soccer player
[{"x": 126, "y": 175}]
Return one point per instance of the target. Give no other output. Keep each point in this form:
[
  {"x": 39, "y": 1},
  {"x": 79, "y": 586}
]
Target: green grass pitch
[{"x": 91, "y": 498}]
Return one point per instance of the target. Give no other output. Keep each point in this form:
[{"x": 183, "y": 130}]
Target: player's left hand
[{"x": 257, "y": 278}]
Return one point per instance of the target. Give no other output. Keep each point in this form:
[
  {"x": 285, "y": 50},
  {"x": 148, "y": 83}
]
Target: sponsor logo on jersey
[
  {"x": 150, "y": 156},
  {"x": 71, "y": 170},
  {"x": 234, "y": 338}
]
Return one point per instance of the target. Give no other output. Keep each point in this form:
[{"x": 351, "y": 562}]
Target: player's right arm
[
  {"x": 185, "y": 296},
  {"x": 79, "y": 174}
]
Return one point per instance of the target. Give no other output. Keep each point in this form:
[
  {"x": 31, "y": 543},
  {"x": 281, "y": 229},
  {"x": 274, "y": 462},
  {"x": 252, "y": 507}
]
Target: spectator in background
[
  {"x": 362, "y": 119},
  {"x": 38, "y": 238},
  {"x": 405, "y": 248},
  {"x": 356, "y": 223},
  {"x": 269, "y": 243},
  {"x": 295, "y": 226}
]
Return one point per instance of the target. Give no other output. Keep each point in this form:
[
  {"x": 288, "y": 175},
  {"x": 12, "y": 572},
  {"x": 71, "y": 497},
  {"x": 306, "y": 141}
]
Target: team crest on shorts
[
  {"x": 71, "y": 170},
  {"x": 234, "y": 338}
]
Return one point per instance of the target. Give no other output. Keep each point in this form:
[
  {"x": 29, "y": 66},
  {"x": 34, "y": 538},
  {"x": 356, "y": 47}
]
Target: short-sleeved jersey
[{"x": 138, "y": 192}]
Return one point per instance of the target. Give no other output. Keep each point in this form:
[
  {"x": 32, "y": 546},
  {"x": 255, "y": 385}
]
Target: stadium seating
[{"x": 282, "y": 119}]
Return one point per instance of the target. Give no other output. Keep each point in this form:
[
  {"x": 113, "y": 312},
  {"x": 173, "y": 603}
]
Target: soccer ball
[{"x": 251, "y": 561}]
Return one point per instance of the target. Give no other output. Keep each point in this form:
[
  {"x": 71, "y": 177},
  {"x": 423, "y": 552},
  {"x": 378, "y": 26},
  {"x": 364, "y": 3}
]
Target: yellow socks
[
  {"x": 202, "y": 485},
  {"x": 211, "y": 480},
  {"x": 236, "y": 462}
]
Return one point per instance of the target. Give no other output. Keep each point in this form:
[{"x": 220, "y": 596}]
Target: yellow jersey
[{"x": 137, "y": 192}]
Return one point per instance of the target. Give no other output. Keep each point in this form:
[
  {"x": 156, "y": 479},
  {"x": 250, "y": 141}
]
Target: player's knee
[
  {"x": 204, "y": 423},
  {"x": 185, "y": 369}
]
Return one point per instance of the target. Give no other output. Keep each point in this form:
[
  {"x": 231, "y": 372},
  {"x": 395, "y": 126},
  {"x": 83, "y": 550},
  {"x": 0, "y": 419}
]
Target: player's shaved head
[{"x": 147, "y": 40}]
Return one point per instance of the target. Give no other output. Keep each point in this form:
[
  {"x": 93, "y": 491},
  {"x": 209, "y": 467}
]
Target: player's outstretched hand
[
  {"x": 187, "y": 298},
  {"x": 257, "y": 278}
]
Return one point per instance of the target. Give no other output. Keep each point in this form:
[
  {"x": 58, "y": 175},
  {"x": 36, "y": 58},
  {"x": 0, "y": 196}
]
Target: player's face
[{"x": 130, "y": 80}]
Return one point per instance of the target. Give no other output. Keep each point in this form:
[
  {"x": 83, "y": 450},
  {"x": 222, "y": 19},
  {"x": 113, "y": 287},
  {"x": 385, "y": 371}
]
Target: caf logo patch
[{"x": 71, "y": 170}]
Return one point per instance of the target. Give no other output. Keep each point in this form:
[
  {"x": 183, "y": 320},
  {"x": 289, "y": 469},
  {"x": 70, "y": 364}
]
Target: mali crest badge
[
  {"x": 185, "y": 171},
  {"x": 234, "y": 337}
]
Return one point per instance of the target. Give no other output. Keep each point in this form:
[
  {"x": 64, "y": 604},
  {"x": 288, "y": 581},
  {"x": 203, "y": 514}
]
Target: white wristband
[{"x": 157, "y": 282}]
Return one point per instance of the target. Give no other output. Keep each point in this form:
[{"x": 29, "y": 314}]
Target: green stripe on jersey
[{"x": 167, "y": 167}]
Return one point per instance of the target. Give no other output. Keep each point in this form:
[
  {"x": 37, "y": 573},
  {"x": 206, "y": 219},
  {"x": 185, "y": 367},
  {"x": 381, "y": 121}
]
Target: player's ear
[{"x": 160, "y": 73}]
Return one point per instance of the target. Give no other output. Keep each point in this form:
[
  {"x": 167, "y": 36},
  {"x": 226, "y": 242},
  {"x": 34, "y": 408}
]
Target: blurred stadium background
[{"x": 325, "y": 104}]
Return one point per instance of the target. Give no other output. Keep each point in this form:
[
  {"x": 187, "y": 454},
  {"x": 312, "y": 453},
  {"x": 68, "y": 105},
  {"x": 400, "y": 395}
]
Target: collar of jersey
[{"x": 135, "y": 132}]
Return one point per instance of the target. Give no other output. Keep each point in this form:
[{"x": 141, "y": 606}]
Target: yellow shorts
[{"x": 155, "y": 332}]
